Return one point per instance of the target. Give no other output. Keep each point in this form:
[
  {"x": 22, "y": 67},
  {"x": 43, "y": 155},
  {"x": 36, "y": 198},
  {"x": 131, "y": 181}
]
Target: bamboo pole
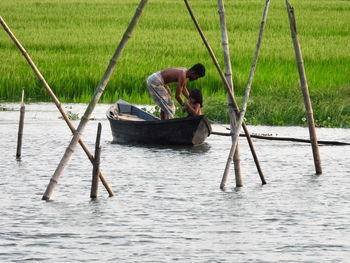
[
  {"x": 228, "y": 74},
  {"x": 98, "y": 93},
  {"x": 20, "y": 128},
  {"x": 245, "y": 101},
  {"x": 272, "y": 138},
  {"x": 54, "y": 98},
  {"x": 229, "y": 92},
  {"x": 96, "y": 166},
  {"x": 305, "y": 89}
]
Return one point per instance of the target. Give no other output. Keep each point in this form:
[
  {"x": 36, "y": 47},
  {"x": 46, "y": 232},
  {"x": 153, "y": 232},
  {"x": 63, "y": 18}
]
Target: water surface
[{"x": 168, "y": 205}]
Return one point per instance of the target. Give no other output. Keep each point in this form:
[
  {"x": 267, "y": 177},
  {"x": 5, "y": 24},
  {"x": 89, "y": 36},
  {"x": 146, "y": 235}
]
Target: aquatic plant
[{"x": 71, "y": 115}]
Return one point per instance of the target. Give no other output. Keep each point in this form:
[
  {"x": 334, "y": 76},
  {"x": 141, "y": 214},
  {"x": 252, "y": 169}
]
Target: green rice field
[{"x": 72, "y": 42}]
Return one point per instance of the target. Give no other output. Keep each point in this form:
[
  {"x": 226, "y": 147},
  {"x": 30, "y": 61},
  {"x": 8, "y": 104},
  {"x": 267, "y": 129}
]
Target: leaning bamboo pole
[
  {"x": 228, "y": 74},
  {"x": 246, "y": 96},
  {"x": 271, "y": 138},
  {"x": 98, "y": 93},
  {"x": 20, "y": 128},
  {"x": 56, "y": 101},
  {"x": 305, "y": 89},
  {"x": 229, "y": 92}
]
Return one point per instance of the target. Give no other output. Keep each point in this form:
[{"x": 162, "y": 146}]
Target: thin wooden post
[
  {"x": 54, "y": 98},
  {"x": 305, "y": 89},
  {"x": 20, "y": 128},
  {"x": 96, "y": 166},
  {"x": 98, "y": 93},
  {"x": 228, "y": 74},
  {"x": 227, "y": 86}
]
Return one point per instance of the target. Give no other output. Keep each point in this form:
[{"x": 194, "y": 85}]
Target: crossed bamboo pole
[
  {"x": 98, "y": 93},
  {"x": 246, "y": 96},
  {"x": 56, "y": 101},
  {"x": 233, "y": 105},
  {"x": 228, "y": 74}
]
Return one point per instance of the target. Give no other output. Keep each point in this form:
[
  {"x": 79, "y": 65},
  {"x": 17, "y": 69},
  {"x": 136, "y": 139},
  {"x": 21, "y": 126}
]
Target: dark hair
[
  {"x": 196, "y": 94},
  {"x": 198, "y": 69}
]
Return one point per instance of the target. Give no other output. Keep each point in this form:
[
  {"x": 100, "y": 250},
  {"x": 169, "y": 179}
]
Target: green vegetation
[
  {"x": 72, "y": 41},
  {"x": 71, "y": 115}
]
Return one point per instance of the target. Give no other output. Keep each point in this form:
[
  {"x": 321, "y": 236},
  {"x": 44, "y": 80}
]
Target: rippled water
[{"x": 168, "y": 205}]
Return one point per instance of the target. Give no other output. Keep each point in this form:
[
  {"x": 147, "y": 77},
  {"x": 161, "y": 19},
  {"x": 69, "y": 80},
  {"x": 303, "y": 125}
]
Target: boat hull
[{"x": 180, "y": 131}]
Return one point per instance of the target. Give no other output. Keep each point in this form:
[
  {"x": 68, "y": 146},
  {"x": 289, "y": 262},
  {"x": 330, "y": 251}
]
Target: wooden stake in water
[
  {"x": 305, "y": 89},
  {"x": 56, "y": 101},
  {"x": 20, "y": 128},
  {"x": 228, "y": 74},
  {"x": 98, "y": 93},
  {"x": 229, "y": 92},
  {"x": 96, "y": 166}
]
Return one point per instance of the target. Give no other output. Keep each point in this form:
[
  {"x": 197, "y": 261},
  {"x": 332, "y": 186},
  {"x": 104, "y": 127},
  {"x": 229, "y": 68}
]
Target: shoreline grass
[{"x": 72, "y": 41}]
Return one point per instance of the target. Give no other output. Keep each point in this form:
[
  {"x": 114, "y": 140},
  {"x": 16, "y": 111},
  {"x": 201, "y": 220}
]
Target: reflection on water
[
  {"x": 204, "y": 147},
  {"x": 168, "y": 205}
]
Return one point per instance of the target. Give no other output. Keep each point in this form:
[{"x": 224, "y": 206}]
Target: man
[{"x": 161, "y": 93}]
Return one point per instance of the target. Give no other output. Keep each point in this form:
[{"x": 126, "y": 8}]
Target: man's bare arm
[
  {"x": 181, "y": 88},
  {"x": 186, "y": 93}
]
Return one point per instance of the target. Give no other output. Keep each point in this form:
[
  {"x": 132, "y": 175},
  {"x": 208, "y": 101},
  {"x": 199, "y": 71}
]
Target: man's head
[{"x": 197, "y": 71}]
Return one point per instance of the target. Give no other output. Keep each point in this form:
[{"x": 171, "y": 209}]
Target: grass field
[{"x": 72, "y": 41}]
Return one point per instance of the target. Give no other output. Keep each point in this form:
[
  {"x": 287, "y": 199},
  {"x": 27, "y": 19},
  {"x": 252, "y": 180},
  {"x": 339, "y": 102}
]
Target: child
[{"x": 193, "y": 107}]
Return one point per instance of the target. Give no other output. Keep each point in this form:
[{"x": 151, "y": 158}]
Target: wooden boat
[{"x": 132, "y": 125}]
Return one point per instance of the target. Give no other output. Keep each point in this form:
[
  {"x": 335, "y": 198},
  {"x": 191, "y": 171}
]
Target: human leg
[{"x": 162, "y": 97}]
